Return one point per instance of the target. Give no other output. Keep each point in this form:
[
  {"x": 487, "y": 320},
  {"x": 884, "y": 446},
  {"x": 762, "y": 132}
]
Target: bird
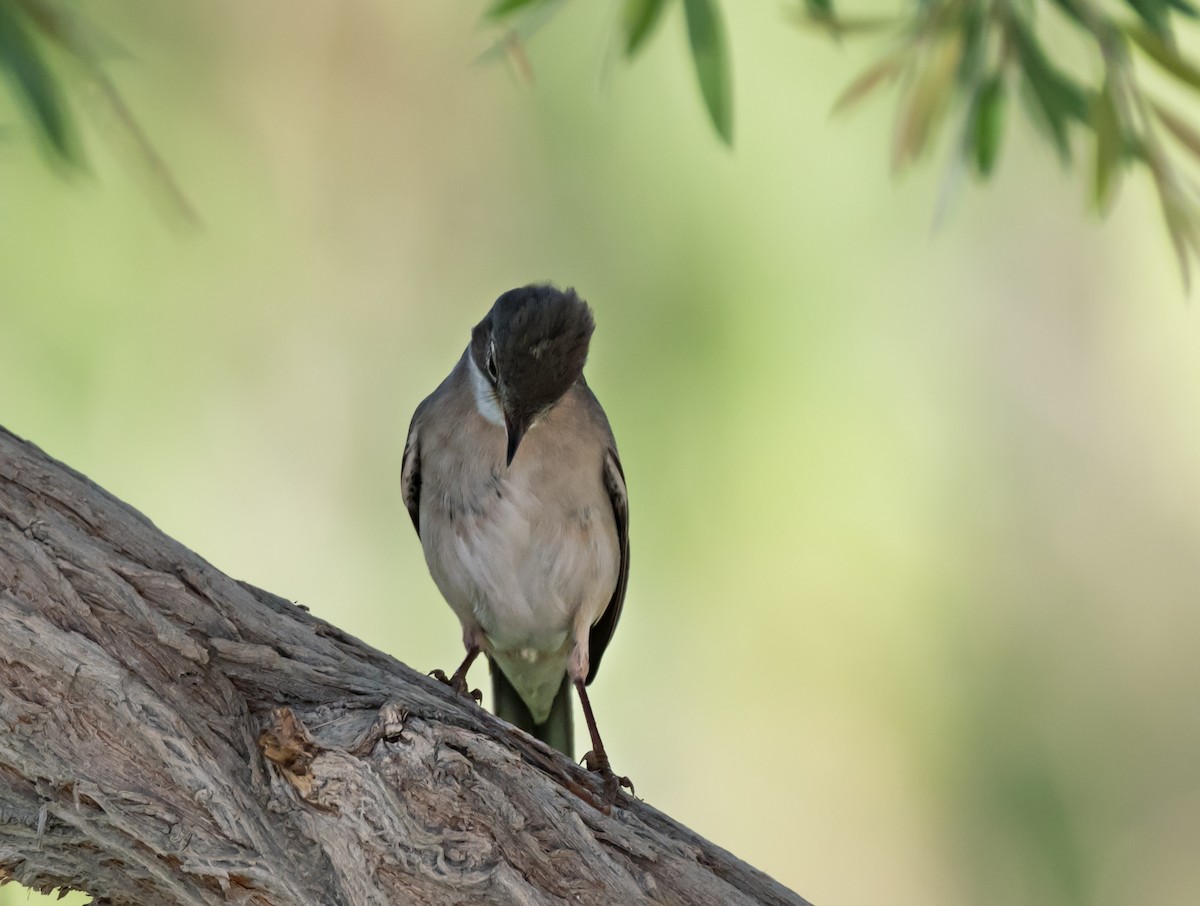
[{"x": 515, "y": 488}]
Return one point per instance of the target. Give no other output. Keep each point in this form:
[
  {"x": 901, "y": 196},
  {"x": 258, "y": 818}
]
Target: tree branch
[{"x": 171, "y": 736}]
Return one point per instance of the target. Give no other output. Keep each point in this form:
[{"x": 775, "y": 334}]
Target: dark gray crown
[{"x": 535, "y": 340}]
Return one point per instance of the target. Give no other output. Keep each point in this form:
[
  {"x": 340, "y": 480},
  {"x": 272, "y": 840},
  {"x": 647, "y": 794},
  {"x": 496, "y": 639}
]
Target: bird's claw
[
  {"x": 611, "y": 783},
  {"x": 458, "y": 684}
]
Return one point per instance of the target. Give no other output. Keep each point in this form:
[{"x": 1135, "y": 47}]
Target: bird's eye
[{"x": 490, "y": 364}]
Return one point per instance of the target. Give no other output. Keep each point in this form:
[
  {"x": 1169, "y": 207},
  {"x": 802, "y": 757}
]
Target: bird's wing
[
  {"x": 410, "y": 476},
  {"x": 602, "y": 630}
]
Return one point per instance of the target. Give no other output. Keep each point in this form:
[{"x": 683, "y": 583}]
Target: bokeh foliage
[
  {"x": 49, "y": 46},
  {"x": 958, "y": 64},
  {"x": 912, "y": 613}
]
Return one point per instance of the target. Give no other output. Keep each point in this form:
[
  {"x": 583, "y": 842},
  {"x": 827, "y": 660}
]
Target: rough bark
[{"x": 171, "y": 736}]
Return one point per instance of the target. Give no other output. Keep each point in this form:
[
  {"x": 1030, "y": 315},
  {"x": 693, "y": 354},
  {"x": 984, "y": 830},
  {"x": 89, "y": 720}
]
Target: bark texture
[{"x": 171, "y": 736}]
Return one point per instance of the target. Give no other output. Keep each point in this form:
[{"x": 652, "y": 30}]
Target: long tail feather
[{"x": 558, "y": 731}]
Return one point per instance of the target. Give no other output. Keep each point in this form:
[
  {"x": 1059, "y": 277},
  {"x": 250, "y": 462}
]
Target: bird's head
[{"x": 531, "y": 349}]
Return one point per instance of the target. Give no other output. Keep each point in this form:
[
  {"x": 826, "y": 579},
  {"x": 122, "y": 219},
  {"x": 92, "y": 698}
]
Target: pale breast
[{"x": 526, "y": 549}]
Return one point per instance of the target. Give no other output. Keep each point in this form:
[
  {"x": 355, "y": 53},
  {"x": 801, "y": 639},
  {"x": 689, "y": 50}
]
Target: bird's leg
[
  {"x": 597, "y": 759},
  {"x": 458, "y": 682}
]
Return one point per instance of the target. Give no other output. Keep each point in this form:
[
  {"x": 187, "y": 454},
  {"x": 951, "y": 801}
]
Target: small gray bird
[{"x": 514, "y": 486}]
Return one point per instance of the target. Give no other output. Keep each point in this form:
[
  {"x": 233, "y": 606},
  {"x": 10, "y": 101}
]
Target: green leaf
[
  {"x": 1183, "y": 133},
  {"x": 74, "y": 36},
  {"x": 707, "y": 39},
  {"x": 1164, "y": 55},
  {"x": 921, "y": 110},
  {"x": 987, "y": 125},
  {"x": 1056, "y": 98},
  {"x": 974, "y": 28},
  {"x": 520, "y": 31},
  {"x": 638, "y": 20},
  {"x": 887, "y": 68},
  {"x": 820, "y": 11},
  {"x": 1110, "y": 142},
  {"x": 1073, "y": 11},
  {"x": 1156, "y": 15},
  {"x": 501, "y": 8},
  {"x": 1180, "y": 217},
  {"x": 36, "y": 85}
]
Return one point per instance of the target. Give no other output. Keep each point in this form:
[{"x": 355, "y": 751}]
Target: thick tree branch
[{"x": 171, "y": 736}]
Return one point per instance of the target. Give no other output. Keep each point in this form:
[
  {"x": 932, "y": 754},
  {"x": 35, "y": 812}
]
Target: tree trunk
[{"x": 171, "y": 736}]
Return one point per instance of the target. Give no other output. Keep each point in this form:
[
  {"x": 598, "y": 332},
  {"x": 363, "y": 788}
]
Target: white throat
[{"x": 485, "y": 396}]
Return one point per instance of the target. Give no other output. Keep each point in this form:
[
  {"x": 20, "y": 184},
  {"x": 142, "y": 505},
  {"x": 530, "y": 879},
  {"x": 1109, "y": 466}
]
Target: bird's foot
[
  {"x": 610, "y": 782},
  {"x": 458, "y": 683}
]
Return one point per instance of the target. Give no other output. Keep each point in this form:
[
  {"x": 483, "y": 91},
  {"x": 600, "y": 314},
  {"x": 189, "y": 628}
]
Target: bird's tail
[{"x": 557, "y": 731}]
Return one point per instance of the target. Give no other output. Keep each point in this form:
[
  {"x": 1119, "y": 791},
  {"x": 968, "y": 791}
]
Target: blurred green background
[{"x": 915, "y": 512}]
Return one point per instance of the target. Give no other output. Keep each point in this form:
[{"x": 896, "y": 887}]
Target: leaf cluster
[
  {"x": 47, "y": 47},
  {"x": 637, "y": 21},
  {"x": 959, "y": 66},
  {"x": 28, "y": 30},
  {"x": 963, "y": 65},
  {"x": 967, "y": 63}
]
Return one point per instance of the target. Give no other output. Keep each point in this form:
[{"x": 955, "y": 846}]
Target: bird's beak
[{"x": 517, "y": 426}]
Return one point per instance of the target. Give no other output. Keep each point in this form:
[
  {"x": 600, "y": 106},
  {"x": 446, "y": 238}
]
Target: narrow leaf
[
  {"x": 519, "y": 32},
  {"x": 1155, "y": 14},
  {"x": 73, "y": 36},
  {"x": 820, "y": 12},
  {"x": 1184, "y": 8},
  {"x": 1179, "y": 128},
  {"x": 639, "y": 19},
  {"x": 1056, "y": 89},
  {"x": 1164, "y": 55},
  {"x": 707, "y": 39},
  {"x": 926, "y": 101},
  {"x": 1106, "y": 123},
  {"x": 974, "y": 29},
  {"x": 1073, "y": 11},
  {"x": 988, "y": 125},
  {"x": 501, "y": 8},
  {"x": 1055, "y": 98},
  {"x": 1181, "y": 225},
  {"x": 36, "y": 85},
  {"x": 67, "y": 24},
  {"x": 887, "y": 68}
]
